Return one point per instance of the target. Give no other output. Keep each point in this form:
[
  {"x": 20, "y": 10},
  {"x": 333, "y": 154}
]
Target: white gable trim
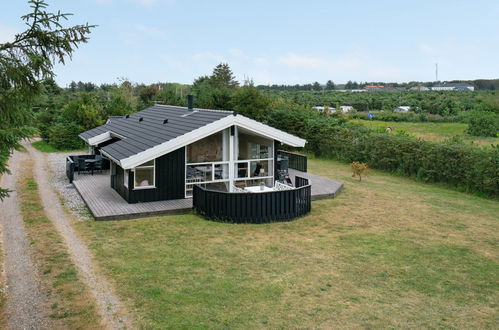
[
  {"x": 212, "y": 128},
  {"x": 95, "y": 140},
  {"x": 269, "y": 131}
]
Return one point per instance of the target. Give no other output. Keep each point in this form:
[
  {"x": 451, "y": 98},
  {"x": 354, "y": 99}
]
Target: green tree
[
  {"x": 222, "y": 76},
  {"x": 250, "y": 102},
  {"x": 316, "y": 86},
  {"x": 24, "y": 63},
  {"x": 330, "y": 85}
]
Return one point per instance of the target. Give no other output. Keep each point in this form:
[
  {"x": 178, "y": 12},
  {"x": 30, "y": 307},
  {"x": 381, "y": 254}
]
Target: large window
[
  {"x": 209, "y": 149},
  {"x": 144, "y": 175},
  {"x": 207, "y": 162},
  {"x": 254, "y": 147}
]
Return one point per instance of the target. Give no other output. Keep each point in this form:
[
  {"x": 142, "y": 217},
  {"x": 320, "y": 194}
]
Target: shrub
[
  {"x": 65, "y": 136},
  {"x": 470, "y": 168},
  {"x": 483, "y": 123},
  {"x": 359, "y": 169}
]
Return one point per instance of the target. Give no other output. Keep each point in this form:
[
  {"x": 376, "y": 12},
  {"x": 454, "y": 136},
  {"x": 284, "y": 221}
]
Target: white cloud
[
  {"x": 298, "y": 61},
  {"x": 7, "y": 33}
]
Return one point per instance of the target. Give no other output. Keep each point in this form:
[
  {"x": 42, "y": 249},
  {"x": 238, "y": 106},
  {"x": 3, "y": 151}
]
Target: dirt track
[
  {"x": 108, "y": 306},
  {"x": 26, "y": 306}
]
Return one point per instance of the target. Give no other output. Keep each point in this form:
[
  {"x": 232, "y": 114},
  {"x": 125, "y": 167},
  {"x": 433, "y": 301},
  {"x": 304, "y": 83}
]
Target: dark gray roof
[{"x": 142, "y": 135}]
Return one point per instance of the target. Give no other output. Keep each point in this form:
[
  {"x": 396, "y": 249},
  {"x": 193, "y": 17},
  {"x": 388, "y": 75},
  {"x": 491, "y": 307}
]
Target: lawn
[
  {"x": 388, "y": 252},
  {"x": 430, "y": 131},
  {"x": 43, "y": 146}
]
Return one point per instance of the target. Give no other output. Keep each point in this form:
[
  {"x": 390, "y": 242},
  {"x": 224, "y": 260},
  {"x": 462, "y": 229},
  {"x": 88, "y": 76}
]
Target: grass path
[
  {"x": 111, "y": 310},
  {"x": 388, "y": 252}
]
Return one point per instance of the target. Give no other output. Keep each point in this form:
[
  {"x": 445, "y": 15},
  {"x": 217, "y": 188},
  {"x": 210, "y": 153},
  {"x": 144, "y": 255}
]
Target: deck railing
[
  {"x": 296, "y": 161},
  {"x": 239, "y": 207},
  {"x": 72, "y": 165},
  {"x": 70, "y": 169}
]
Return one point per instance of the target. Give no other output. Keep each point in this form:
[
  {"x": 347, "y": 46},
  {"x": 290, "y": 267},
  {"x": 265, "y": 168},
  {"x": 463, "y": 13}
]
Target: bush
[
  {"x": 482, "y": 123},
  {"x": 65, "y": 136},
  {"x": 469, "y": 168}
]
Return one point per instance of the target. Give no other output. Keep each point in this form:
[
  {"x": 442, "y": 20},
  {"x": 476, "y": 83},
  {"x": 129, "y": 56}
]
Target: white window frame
[
  {"x": 126, "y": 178},
  {"x": 153, "y": 186}
]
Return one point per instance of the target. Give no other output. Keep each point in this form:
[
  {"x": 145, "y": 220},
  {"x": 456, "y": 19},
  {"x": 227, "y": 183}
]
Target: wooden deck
[
  {"x": 106, "y": 204},
  {"x": 321, "y": 187}
]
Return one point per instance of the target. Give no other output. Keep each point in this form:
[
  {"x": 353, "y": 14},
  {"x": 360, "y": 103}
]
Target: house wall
[
  {"x": 117, "y": 182},
  {"x": 169, "y": 180}
]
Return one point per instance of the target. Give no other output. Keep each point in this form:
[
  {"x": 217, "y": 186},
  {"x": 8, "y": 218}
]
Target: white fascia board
[
  {"x": 202, "y": 132},
  {"x": 99, "y": 138},
  {"x": 178, "y": 142},
  {"x": 269, "y": 131}
]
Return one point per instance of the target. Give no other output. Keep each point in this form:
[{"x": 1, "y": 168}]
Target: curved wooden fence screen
[{"x": 272, "y": 206}]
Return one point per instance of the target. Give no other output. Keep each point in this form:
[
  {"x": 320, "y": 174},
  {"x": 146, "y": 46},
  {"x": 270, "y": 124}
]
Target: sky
[{"x": 276, "y": 42}]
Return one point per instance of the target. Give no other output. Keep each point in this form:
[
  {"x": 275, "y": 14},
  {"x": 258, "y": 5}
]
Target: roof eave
[{"x": 216, "y": 126}]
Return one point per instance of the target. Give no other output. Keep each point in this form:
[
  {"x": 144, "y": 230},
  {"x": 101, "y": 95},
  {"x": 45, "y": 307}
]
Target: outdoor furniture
[
  {"x": 91, "y": 164},
  {"x": 82, "y": 165},
  {"x": 281, "y": 186},
  {"x": 258, "y": 189},
  {"x": 98, "y": 164}
]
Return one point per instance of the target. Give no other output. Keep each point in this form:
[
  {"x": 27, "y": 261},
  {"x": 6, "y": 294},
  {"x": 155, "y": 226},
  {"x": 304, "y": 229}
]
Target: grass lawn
[
  {"x": 388, "y": 252},
  {"x": 43, "y": 146},
  {"x": 430, "y": 131}
]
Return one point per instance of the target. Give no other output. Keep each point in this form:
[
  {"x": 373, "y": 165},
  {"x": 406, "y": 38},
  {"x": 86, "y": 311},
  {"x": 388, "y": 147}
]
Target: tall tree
[
  {"x": 330, "y": 85},
  {"x": 223, "y": 77},
  {"x": 24, "y": 64},
  {"x": 316, "y": 86}
]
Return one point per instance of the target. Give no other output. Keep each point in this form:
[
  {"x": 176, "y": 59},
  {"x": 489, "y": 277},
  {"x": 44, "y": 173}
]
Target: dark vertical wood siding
[
  {"x": 117, "y": 182},
  {"x": 170, "y": 180}
]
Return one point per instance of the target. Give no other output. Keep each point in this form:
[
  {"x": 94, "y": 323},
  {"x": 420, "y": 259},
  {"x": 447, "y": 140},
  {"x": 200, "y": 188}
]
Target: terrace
[{"x": 271, "y": 205}]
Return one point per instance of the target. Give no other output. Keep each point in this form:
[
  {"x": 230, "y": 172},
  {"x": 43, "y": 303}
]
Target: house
[
  {"x": 321, "y": 109},
  {"x": 374, "y": 87},
  {"x": 402, "y": 109},
  {"x": 162, "y": 152},
  {"x": 346, "y": 108},
  {"x": 453, "y": 87},
  {"x": 419, "y": 88}
]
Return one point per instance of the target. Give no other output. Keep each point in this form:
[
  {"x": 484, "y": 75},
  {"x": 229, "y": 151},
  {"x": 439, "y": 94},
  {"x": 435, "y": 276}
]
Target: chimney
[{"x": 190, "y": 102}]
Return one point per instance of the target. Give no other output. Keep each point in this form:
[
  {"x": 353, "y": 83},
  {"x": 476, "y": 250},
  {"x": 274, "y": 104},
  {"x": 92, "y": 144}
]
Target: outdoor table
[{"x": 258, "y": 189}]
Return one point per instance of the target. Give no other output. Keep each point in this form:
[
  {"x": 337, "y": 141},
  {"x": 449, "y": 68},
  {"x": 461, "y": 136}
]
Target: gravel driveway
[
  {"x": 26, "y": 306},
  {"x": 71, "y": 198}
]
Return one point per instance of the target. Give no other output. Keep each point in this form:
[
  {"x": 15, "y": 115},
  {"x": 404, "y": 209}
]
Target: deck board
[
  {"x": 321, "y": 187},
  {"x": 106, "y": 204}
]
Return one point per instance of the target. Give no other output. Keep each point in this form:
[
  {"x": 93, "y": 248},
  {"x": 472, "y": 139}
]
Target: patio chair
[
  {"x": 193, "y": 175},
  {"x": 281, "y": 186},
  {"x": 82, "y": 165},
  {"x": 98, "y": 165}
]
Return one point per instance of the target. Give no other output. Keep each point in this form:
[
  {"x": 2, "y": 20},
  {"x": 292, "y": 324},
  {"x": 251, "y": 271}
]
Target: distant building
[
  {"x": 419, "y": 88},
  {"x": 321, "y": 108},
  {"x": 402, "y": 109},
  {"x": 374, "y": 87},
  {"x": 346, "y": 108},
  {"x": 453, "y": 87}
]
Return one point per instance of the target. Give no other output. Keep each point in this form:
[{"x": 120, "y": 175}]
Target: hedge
[{"x": 469, "y": 168}]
